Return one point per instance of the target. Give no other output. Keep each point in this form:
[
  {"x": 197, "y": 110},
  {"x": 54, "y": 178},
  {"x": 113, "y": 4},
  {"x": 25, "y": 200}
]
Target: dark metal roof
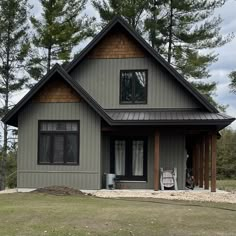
[
  {"x": 119, "y": 21},
  {"x": 123, "y": 117},
  {"x": 157, "y": 116},
  {"x": 11, "y": 117}
]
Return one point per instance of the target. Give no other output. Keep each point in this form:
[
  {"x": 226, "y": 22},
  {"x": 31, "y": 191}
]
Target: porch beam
[
  {"x": 201, "y": 162},
  {"x": 207, "y": 149},
  {"x": 156, "y": 160},
  {"x": 213, "y": 162}
]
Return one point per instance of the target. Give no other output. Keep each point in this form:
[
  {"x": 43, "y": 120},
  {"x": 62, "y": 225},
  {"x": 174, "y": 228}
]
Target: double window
[
  {"x": 129, "y": 158},
  {"x": 133, "y": 87},
  {"x": 58, "y": 142}
]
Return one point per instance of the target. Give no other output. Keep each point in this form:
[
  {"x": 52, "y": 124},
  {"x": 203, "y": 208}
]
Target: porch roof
[{"x": 175, "y": 117}]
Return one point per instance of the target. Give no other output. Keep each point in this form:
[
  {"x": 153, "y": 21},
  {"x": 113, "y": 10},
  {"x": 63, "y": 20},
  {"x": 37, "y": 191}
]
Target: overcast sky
[{"x": 227, "y": 54}]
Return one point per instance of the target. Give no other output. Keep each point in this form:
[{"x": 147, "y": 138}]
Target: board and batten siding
[
  {"x": 86, "y": 175},
  {"x": 172, "y": 154},
  {"x": 101, "y": 79}
]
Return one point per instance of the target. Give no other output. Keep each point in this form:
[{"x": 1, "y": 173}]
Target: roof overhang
[
  {"x": 116, "y": 117},
  {"x": 11, "y": 118}
]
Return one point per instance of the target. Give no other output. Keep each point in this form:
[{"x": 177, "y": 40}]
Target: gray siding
[
  {"x": 172, "y": 154},
  {"x": 101, "y": 79},
  {"x": 86, "y": 175}
]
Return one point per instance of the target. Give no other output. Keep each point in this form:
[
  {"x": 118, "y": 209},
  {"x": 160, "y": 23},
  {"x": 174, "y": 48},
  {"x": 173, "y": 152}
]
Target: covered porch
[{"x": 161, "y": 147}]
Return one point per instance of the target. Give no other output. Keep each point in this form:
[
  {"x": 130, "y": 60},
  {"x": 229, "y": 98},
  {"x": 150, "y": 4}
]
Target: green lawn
[
  {"x": 38, "y": 214},
  {"x": 227, "y": 185}
]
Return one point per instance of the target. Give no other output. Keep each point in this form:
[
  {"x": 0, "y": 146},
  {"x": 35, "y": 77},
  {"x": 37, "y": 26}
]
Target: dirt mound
[{"x": 59, "y": 190}]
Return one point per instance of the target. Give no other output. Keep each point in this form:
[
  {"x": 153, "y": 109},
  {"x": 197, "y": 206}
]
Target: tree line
[
  {"x": 226, "y": 155},
  {"x": 184, "y": 32}
]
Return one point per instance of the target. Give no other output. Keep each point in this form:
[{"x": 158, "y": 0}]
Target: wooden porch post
[
  {"x": 201, "y": 162},
  {"x": 156, "y": 160},
  {"x": 197, "y": 164},
  {"x": 213, "y": 162},
  {"x": 194, "y": 160},
  {"x": 206, "y": 176}
]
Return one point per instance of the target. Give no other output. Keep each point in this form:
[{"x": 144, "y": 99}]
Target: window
[
  {"x": 129, "y": 158},
  {"x": 133, "y": 87},
  {"x": 58, "y": 142}
]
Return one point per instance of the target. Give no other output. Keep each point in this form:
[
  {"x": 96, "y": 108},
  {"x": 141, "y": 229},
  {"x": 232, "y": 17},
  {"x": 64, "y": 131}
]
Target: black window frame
[
  {"x": 128, "y": 158},
  {"x": 52, "y": 134},
  {"x": 133, "y": 88}
]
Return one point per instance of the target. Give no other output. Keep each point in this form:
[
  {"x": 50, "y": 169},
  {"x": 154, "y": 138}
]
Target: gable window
[
  {"x": 133, "y": 87},
  {"x": 129, "y": 158},
  {"x": 58, "y": 142}
]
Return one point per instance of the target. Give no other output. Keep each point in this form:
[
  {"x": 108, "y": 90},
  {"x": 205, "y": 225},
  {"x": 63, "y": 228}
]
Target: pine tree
[
  {"x": 181, "y": 30},
  {"x": 232, "y": 85},
  {"x": 14, "y": 48},
  {"x": 61, "y": 28},
  {"x": 131, "y": 10}
]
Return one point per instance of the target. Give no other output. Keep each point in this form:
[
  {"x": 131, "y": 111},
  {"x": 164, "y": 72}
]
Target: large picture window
[
  {"x": 58, "y": 142},
  {"x": 129, "y": 158},
  {"x": 133, "y": 87}
]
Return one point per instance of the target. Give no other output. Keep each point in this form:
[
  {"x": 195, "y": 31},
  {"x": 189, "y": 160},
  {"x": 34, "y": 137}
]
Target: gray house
[{"x": 120, "y": 108}]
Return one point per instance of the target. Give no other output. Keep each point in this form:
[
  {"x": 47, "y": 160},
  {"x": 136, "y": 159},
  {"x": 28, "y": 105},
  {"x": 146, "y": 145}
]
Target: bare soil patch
[{"x": 59, "y": 191}]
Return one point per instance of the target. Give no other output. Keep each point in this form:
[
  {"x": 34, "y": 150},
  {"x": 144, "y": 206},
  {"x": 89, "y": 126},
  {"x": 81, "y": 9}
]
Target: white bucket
[{"x": 110, "y": 182}]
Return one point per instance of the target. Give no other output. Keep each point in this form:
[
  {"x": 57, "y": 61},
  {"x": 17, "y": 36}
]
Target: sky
[{"x": 227, "y": 54}]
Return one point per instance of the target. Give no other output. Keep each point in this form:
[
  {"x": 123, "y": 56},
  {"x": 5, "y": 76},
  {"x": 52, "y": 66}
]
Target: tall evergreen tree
[
  {"x": 14, "y": 48},
  {"x": 181, "y": 30},
  {"x": 60, "y": 29},
  {"x": 131, "y": 10},
  {"x": 232, "y": 85}
]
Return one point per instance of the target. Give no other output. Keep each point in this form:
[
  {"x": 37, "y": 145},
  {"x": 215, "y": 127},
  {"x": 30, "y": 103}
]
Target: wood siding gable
[
  {"x": 56, "y": 90},
  {"x": 117, "y": 44}
]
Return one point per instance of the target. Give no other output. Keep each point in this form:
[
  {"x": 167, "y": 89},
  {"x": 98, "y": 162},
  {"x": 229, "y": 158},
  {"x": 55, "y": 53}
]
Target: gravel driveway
[{"x": 196, "y": 195}]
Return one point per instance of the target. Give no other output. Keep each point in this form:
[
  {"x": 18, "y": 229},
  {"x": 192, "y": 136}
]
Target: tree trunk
[
  {"x": 49, "y": 58},
  {"x": 6, "y": 107},
  {"x": 153, "y": 30},
  {"x": 170, "y": 32}
]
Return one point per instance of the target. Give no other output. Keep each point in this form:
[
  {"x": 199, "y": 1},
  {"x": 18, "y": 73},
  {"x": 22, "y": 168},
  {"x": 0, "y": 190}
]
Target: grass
[
  {"x": 37, "y": 214},
  {"x": 227, "y": 185}
]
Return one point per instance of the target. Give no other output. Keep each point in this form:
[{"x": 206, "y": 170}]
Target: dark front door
[{"x": 129, "y": 158}]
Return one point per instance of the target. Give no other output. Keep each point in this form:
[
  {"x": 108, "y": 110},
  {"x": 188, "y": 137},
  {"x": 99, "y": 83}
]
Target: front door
[{"x": 129, "y": 158}]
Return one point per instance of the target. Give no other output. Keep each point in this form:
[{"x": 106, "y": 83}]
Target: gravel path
[
  {"x": 196, "y": 195},
  {"x": 219, "y": 196}
]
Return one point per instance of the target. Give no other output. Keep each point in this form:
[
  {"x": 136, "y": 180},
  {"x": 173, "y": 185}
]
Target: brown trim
[
  {"x": 156, "y": 160},
  {"x": 213, "y": 162},
  {"x": 52, "y": 135},
  {"x": 206, "y": 176},
  {"x": 133, "y": 102}
]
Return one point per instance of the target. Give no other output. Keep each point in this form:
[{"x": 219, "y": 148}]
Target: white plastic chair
[{"x": 169, "y": 179}]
